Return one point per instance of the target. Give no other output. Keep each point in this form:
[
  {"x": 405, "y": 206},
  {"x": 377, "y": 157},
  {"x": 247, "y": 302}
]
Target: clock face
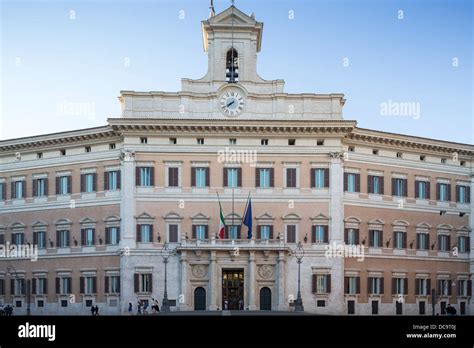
[{"x": 232, "y": 103}]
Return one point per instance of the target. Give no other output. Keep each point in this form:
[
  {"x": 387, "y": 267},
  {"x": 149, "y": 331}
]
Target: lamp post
[
  {"x": 165, "y": 254},
  {"x": 299, "y": 254}
]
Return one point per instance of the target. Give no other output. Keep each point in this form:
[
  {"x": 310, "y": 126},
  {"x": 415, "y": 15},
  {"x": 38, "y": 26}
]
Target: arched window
[{"x": 232, "y": 66}]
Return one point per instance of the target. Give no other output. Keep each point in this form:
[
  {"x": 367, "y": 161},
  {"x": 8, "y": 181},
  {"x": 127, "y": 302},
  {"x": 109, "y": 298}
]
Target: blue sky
[{"x": 82, "y": 53}]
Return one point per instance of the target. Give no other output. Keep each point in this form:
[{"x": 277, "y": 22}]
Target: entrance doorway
[
  {"x": 233, "y": 289},
  {"x": 265, "y": 299},
  {"x": 200, "y": 299}
]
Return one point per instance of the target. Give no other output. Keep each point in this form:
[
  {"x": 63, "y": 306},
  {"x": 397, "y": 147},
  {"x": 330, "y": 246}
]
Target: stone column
[
  {"x": 213, "y": 283},
  {"x": 184, "y": 300},
  {"x": 282, "y": 303},
  {"x": 251, "y": 281}
]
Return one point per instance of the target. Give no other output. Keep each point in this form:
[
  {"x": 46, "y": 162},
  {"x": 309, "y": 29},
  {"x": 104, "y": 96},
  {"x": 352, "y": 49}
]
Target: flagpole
[
  {"x": 232, "y": 208},
  {"x": 245, "y": 210}
]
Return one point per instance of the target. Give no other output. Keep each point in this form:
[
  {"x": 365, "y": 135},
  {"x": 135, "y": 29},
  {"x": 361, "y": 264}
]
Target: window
[
  {"x": 39, "y": 155},
  {"x": 173, "y": 141},
  {"x": 264, "y": 178},
  {"x": 422, "y": 241},
  {"x": 463, "y": 244},
  {"x": 2, "y": 287},
  {"x": 87, "y": 149},
  {"x": 399, "y": 240},
  {"x": 351, "y": 182},
  {"x": 145, "y": 176},
  {"x": 351, "y": 236},
  {"x": 463, "y": 194},
  {"x": 232, "y": 141},
  {"x": 232, "y": 66},
  {"x": 444, "y": 242},
  {"x": 143, "y": 140},
  {"x": 232, "y": 232},
  {"x": 3, "y": 193},
  {"x": 319, "y": 142},
  {"x": 112, "y": 180},
  {"x": 39, "y": 239},
  {"x": 88, "y": 237},
  {"x": 350, "y": 149},
  {"x": 18, "y": 189},
  {"x": 351, "y": 285},
  {"x": 40, "y": 187},
  {"x": 462, "y": 163},
  {"x": 291, "y": 233},
  {"x": 400, "y": 286},
  {"x": 173, "y": 177},
  {"x": 444, "y": 287},
  {"x": 423, "y": 286},
  {"x": 173, "y": 233},
  {"x": 291, "y": 177},
  {"x": 265, "y": 232},
  {"x": 62, "y": 239},
  {"x": 375, "y": 238},
  {"x": 63, "y": 185},
  {"x": 375, "y": 285},
  {"x": 200, "y": 232},
  {"x": 319, "y": 177},
  {"x": 422, "y": 158},
  {"x": 464, "y": 287},
  {"x": 375, "y": 184},
  {"x": 291, "y": 142},
  {"x": 112, "y": 235},
  {"x": 112, "y": 146},
  {"x": 88, "y": 285},
  {"x": 321, "y": 283},
  {"x": 63, "y": 285},
  {"x": 232, "y": 177},
  {"x": 88, "y": 182},
  {"x": 399, "y": 155},
  {"x": 62, "y": 152},
  {"x": 200, "y": 141},
  {"x": 443, "y": 192},
  {"x": 375, "y": 152},
  {"x": 399, "y": 187},
  {"x": 39, "y": 286},
  {"x": 18, "y": 286},
  {"x": 319, "y": 234},
  {"x": 422, "y": 189},
  {"x": 264, "y": 142},
  {"x": 144, "y": 233},
  {"x": 143, "y": 282},
  {"x": 18, "y": 238},
  {"x": 112, "y": 284},
  {"x": 200, "y": 177},
  {"x": 2, "y": 238},
  {"x": 444, "y": 160}
]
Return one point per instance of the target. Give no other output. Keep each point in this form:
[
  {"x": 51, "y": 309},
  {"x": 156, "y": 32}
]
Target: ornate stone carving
[
  {"x": 199, "y": 271},
  {"x": 336, "y": 155},
  {"x": 265, "y": 271},
  {"x": 127, "y": 155}
]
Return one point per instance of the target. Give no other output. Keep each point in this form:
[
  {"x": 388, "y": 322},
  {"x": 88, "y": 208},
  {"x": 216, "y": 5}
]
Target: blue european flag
[{"x": 248, "y": 219}]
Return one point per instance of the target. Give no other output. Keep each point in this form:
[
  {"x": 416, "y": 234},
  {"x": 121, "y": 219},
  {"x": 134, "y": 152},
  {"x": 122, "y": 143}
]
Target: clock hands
[{"x": 232, "y": 102}]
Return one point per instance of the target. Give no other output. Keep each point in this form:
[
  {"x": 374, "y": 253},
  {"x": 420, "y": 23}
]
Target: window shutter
[
  {"x": 428, "y": 285},
  {"x": 151, "y": 283},
  {"x": 328, "y": 283},
  {"x": 357, "y": 237},
  {"x": 137, "y": 176},
  {"x": 238, "y": 232},
  {"x": 83, "y": 182},
  {"x": 69, "y": 184},
  {"x": 67, "y": 238},
  {"x": 225, "y": 177},
  {"x": 371, "y": 238},
  {"x": 94, "y": 285},
  {"x": 23, "y": 286},
  {"x": 35, "y": 238},
  {"x": 139, "y": 235},
  {"x": 369, "y": 280},
  {"x": 469, "y": 288},
  {"x": 314, "y": 282},
  {"x": 272, "y": 177},
  {"x": 107, "y": 235},
  {"x": 35, "y": 191},
  {"x": 468, "y": 244},
  {"x": 449, "y": 192},
  {"x": 45, "y": 286},
  {"x": 257, "y": 177},
  {"x": 136, "y": 281},
  {"x": 449, "y": 243},
  {"x": 428, "y": 189},
  {"x": 106, "y": 285},
  {"x": 239, "y": 177},
  {"x": 313, "y": 234},
  {"x": 370, "y": 188},
  {"x": 93, "y": 236},
  {"x": 346, "y": 285},
  {"x": 346, "y": 235},
  {"x": 118, "y": 179},
  {"x": 118, "y": 284},
  {"x": 357, "y": 177},
  {"x": 193, "y": 177},
  {"x": 206, "y": 232},
  {"x": 13, "y": 191},
  {"x": 357, "y": 285},
  {"x": 94, "y": 182},
  {"x": 404, "y": 240},
  {"x": 81, "y": 285},
  {"x": 57, "y": 185},
  {"x": 151, "y": 233},
  {"x": 394, "y": 286},
  {"x": 194, "y": 232},
  {"x": 57, "y": 238},
  {"x": 208, "y": 175},
  {"x": 450, "y": 287},
  {"x": 83, "y": 236},
  {"x": 313, "y": 177},
  {"x": 393, "y": 186},
  {"x": 468, "y": 194},
  {"x": 405, "y": 285},
  {"x": 326, "y": 177},
  {"x": 289, "y": 177},
  {"x": 152, "y": 176},
  {"x": 417, "y": 191},
  {"x": 437, "y": 191},
  {"x": 271, "y": 231},
  {"x": 439, "y": 242},
  {"x": 106, "y": 181},
  {"x": 33, "y": 286},
  {"x": 326, "y": 234},
  {"x": 259, "y": 232},
  {"x": 405, "y": 187},
  {"x": 427, "y": 246},
  {"x": 382, "y": 185},
  {"x": 4, "y": 191},
  {"x": 457, "y": 193},
  {"x": 381, "y": 285},
  {"x": 12, "y": 286},
  {"x": 417, "y": 286},
  {"x": 345, "y": 181}
]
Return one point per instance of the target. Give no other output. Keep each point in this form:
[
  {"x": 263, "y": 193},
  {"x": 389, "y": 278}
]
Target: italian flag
[{"x": 221, "y": 221}]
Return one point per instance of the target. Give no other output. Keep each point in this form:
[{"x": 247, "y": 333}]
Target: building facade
[{"x": 383, "y": 218}]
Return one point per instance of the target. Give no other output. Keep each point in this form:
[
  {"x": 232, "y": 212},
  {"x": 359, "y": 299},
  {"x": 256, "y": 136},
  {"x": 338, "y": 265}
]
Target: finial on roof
[{"x": 213, "y": 12}]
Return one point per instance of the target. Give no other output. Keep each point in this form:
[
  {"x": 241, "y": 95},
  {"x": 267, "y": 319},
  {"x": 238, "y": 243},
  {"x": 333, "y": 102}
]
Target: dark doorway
[
  {"x": 350, "y": 307},
  {"x": 265, "y": 299},
  {"x": 399, "y": 308},
  {"x": 200, "y": 299},
  {"x": 443, "y": 307},
  {"x": 375, "y": 307},
  {"x": 463, "y": 308},
  {"x": 421, "y": 305},
  {"x": 233, "y": 289}
]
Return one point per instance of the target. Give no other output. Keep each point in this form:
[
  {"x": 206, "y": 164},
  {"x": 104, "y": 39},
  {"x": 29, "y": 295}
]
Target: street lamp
[
  {"x": 299, "y": 254},
  {"x": 165, "y": 254}
]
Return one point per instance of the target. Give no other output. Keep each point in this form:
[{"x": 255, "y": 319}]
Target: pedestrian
[
  {"x": 157, "y": 306},
  {"x": 139, "y": 308},
  {"x": 130, "y": 308},
  {"x": 96, "y": 310},
  {"x": 92, "y": 310}
]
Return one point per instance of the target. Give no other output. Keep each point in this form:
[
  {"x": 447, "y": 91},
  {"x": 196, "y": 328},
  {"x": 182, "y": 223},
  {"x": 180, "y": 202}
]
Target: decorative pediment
[
  {"x": 265, "y": 216},
  {"x": 39, "y": 223},
  {"x": 463, "y": 228},
  {"x": 352, "y": 219},
  {"x": 444, "y": 227},
  {"x": 63, "y": 222},
  {"x": 320, "y": 218},
  {"x": 172, "y": 216},
  {"x": 291, "y": 216},
  {"x": 145, "y": 216},
  {"x": 200, "y": 216},
  {"x": 400, "y": 223},
  {"x": 17, "y": 225},
  {"x": 424, "y": 225},
  {"x": 2, "y": 228},
  {"x": 232, "y": 217},
  {"x": 87, "y": 220},
  {"x": 232, "y": 13},
  {"x": 376, "y": 222},
  {"x": 112, "y": 218}
]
